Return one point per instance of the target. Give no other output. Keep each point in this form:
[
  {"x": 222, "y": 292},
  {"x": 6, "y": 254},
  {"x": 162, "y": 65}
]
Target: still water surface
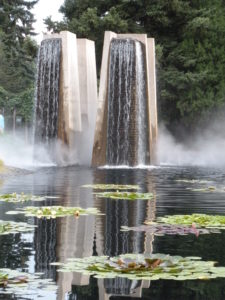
[{"x": 62, "y": 238}]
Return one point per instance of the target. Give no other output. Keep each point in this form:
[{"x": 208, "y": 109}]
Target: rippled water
[{"x": 59, "y": 239}]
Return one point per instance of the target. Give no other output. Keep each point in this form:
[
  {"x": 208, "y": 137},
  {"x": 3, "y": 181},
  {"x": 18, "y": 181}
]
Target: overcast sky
[{"x": 43, "y": 9}]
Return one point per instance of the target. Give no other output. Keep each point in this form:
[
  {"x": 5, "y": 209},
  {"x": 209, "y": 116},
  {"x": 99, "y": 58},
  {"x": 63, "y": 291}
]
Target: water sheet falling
[
  {"x": 47, "y": 94},
  {"x": 127, "y": 125}
]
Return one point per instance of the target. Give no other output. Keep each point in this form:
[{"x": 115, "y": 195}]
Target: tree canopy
[
  {"x": 190, "y": 45},
  {"x": 17, "y": 57}
]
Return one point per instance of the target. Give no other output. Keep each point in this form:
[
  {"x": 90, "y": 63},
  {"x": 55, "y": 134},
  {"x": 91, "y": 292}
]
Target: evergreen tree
[
  {"x": 16, "y": 21},
  {"x": 17, "y": 57},
  {"x": 190, "y": 47}
]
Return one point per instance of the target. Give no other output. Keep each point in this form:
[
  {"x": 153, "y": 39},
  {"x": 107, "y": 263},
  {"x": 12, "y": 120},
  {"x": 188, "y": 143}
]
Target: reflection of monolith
[
  {"x": 66, "y": 93},
  {"x": 111, "y": 241},
  {"x": 126, "y": 127}
]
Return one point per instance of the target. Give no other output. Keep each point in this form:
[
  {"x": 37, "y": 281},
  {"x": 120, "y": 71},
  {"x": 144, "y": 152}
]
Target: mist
[
  {"x": 205, "y": 148},
  {"x": 16, "y": 152}
]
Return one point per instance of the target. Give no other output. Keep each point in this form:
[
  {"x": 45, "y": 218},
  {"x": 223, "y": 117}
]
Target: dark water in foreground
[{"x": 59, "y": 239}]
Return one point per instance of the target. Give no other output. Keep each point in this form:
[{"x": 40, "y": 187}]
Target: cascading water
[
  {"x": 47, "y": 92},
  {"x": 141, "y": 94},
  {"x": 127, "y": 126}
]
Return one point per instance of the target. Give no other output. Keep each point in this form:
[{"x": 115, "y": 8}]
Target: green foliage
[
  {"x": 190, "y": 47},
  {"x": 16, "y": 21},
  {"x": 17, "y": 58},
  {"x": 140, "y": 267},
  {"x": 125, "y": 195}
]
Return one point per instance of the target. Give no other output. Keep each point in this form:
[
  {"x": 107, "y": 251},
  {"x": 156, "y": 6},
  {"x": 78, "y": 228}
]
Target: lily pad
[
  {"x": 125, "y": 195},
  {"x": 163, "y": 229},
  {"x": 7, "y": 227},
  {"x": 192, "y": 181},
  {"x": 141, "y": 267},
  {"x": 20, "y": 198},
  {"x": 16, "y": 282},
  {"x": 111, "y": 186},
  {"x": 207, "y": 189},
  {"x": 198, "y": 220},
  {"x": 55, "y": 211}
]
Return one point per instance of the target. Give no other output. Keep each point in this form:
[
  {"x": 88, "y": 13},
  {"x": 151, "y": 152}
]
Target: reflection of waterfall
[
  {"x": 45, "y": 245},
  {"x": 127, "y": 104},
  {"x": 47, "y": 95},
  {"x": 116, "y": 242},
  {"x": 121, "y": 286},
  {"x": 120, "y": 213}
]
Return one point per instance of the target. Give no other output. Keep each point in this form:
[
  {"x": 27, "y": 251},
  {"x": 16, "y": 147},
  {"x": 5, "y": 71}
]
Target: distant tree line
[{"x": 190, "y": 45}]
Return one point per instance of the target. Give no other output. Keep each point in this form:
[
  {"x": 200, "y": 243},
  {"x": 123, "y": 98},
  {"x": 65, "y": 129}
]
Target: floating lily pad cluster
[
  {"x": 17, "y": 198},
  {"x": 209, "y": 188},
  {"x": 112, "y": 186},
  {"x": 199, "y": 220},
  {"x": 125, "y": 195},
  {"x": 163, "y": 229},
  {"x": 20, "y": 282},
  {"x": 140, "y": 267},
  {"x": 192, "y": 181},
  {"x": 118, "y": 194},
  {"x": 55, "y": 211},
  {"x": 206, "y": 189},
  {"x": 7, "y": 227}
]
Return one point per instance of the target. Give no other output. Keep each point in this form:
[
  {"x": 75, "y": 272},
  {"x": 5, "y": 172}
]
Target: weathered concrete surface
[
  {"x": 87, "y": 78},
  {"x": 88, "y": 95},
  {"x": 152, "y": 98},
  {"x": 78, "y": 94},
  {"x": 69, "y": 107},
  {"x": 99, "y": 148}
]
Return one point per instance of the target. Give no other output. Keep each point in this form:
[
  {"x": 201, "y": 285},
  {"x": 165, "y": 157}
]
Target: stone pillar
[
  {"x": 99, "y": 147},
  {"x": 69, "y": 107},
  {"x": 88, "y": 95},
  {"x": 152, "y": 98},
  {"x": 78, "y": 95}
]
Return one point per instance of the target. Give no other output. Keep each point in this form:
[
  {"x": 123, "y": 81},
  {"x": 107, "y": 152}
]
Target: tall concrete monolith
[
  {"x": 126, "y": 123},
  {"x": 67, "y": 94}
]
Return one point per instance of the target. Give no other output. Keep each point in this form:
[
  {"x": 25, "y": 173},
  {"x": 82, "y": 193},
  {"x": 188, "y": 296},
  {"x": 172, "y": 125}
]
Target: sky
[{"x": 43, "y": 9}]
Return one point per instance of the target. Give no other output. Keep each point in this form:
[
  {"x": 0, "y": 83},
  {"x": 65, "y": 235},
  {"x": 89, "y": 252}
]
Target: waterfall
[
  {"x": 141, "y": 95},
  {"x": 47, "y": 91},
  {"x": 127, "y": 122}
]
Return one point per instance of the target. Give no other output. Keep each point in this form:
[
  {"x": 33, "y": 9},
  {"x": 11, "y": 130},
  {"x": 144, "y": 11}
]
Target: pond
[{"x": 56, "y": 240}]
